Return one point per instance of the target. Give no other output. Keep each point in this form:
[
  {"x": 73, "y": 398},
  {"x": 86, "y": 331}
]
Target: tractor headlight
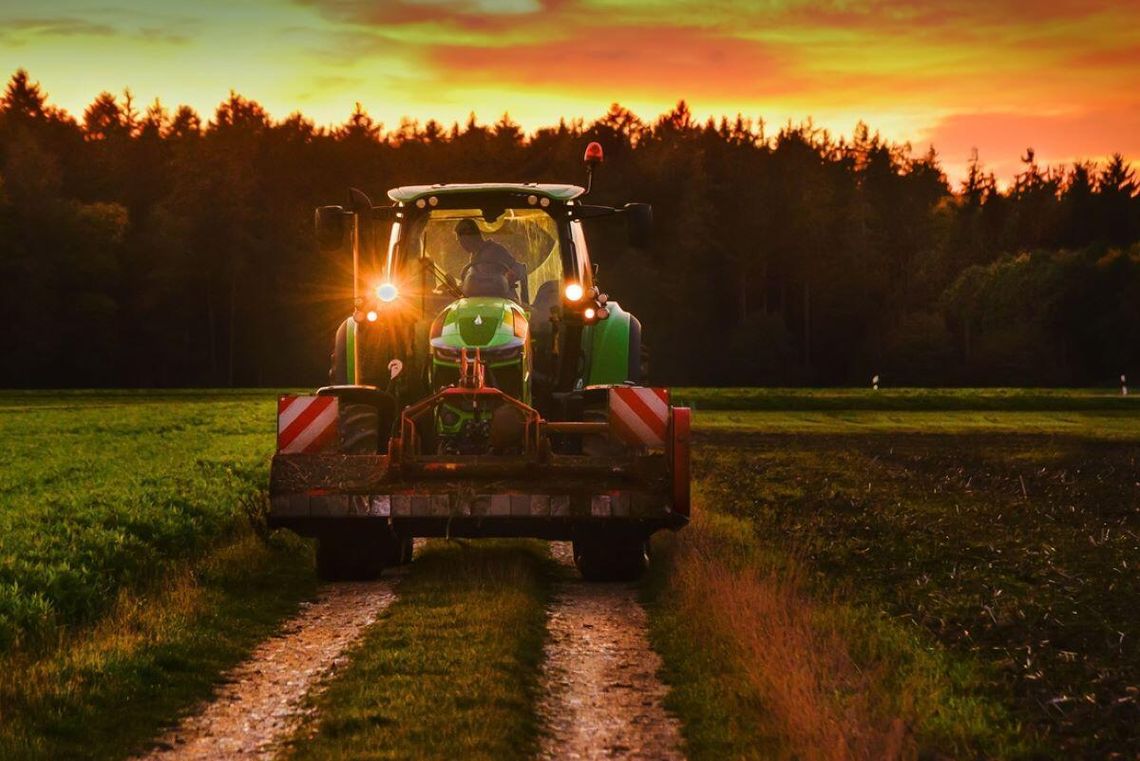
[
  {"x": 443, "y": 352},
  {"x": 495, "y": 354},
  {"x": 504, "y": 353},
  {"x": 387, "y": 292}
]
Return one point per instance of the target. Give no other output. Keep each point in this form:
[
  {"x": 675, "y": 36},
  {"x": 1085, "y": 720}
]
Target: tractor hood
[{"x": 495, "y": 326}]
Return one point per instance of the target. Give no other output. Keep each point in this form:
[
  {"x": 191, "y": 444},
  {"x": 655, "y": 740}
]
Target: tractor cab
[{"x": 500, "y": 268}]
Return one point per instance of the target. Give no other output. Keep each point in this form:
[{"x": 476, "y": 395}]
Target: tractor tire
[
  {"x": 359, "y": 429},
  {"x": 350, "y": 556},
  {"x": 338, "y": 372},
  {"x": 406, "y": 550},
  {"x": 611, "y": 558}
]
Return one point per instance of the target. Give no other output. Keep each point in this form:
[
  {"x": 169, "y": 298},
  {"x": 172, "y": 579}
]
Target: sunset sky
[{"x": 1062, "y": 76}]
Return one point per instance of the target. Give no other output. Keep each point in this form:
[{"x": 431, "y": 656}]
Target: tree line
[{"x": 141, "y": 246}]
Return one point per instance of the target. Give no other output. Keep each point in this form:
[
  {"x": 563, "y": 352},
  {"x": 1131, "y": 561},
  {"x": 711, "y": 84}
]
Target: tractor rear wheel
[
  {"x": 359, "y": 429},
  {"x": 602, "y": 557},
  {"x": 350, "y": 555}
]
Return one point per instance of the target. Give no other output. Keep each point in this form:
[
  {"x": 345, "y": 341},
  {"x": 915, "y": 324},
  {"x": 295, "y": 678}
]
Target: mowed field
[
  {"x": 907, "y": 573},
  {"x": 920, "y": 578}
]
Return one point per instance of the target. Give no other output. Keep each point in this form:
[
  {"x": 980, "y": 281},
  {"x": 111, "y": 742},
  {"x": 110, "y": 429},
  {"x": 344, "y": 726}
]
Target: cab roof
[{"x": 411, "y": 193}]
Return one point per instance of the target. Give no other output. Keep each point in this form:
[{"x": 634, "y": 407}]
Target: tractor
[{"x": 483, "y": 386}]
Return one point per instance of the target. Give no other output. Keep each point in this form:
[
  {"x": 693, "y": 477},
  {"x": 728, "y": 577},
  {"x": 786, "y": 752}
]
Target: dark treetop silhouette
[{"x": 141, "y": 247}]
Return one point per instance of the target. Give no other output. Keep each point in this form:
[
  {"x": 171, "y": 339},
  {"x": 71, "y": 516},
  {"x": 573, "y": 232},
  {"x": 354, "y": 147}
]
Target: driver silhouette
[{"x": 491, "y": 271}]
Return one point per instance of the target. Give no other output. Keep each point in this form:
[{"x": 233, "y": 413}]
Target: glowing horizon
[{"x": 1065, "y": 81}]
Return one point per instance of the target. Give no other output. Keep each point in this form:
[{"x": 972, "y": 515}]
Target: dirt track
[
  {"x": 601, "y": 695},
  {"x": 260, "y": 704}
]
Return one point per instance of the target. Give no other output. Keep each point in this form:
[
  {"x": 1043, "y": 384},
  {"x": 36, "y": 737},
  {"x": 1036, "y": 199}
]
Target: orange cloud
[
  {"x": 1060, "y": 75},
  {"x": 1001, "y": 138},
  {"x": 653, "y": 62}
]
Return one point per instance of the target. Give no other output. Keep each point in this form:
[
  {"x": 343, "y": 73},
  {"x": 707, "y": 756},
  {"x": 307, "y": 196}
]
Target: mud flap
[{"x": 679, "y": 452}]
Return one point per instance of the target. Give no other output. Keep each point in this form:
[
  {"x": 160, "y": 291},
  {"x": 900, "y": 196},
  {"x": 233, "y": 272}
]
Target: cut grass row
[
  {"x": 1118, "y": 425},
  {"x": 907, "y": 399}
]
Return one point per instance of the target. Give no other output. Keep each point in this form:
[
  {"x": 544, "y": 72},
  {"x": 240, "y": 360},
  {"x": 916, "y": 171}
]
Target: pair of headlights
[
  {"x": 385, "y": 292},
  {"x": 496, "y": 354},
  {"x": 599, "y": 311}
]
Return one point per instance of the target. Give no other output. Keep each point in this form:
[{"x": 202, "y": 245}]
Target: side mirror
[
  {"x": 330, "y": 222},
  {"x": 639, "y": 224}
]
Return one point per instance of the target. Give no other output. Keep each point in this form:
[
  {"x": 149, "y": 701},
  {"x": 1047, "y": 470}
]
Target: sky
[{"x": 1060, "y": 76}]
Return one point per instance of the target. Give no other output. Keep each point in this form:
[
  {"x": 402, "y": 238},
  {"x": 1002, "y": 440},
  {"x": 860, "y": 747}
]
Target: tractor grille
[{"x": 478, "y": 335}]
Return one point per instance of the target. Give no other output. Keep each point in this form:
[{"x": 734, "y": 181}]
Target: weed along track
[
  {"x": 260, "y": 704},
  {"x": 601, "y": 697}
]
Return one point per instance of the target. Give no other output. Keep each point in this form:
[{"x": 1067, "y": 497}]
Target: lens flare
[{"x": 387, "y": 292}]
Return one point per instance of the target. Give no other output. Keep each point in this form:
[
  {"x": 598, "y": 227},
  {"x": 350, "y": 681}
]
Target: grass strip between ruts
[
  {"x": 451, "y": 668},
  {"x": 105, "y": 690}
]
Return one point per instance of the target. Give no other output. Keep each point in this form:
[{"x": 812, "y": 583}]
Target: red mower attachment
[
  {"x": 307, "y": 424},
  {"x": 626, "y": 465}
]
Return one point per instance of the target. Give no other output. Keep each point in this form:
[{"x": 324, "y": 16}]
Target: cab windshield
[{"x": 528, "y": 239}]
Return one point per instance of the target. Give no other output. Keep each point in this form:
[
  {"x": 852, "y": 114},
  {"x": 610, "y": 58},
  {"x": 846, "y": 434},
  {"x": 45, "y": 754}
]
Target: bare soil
[
  {"x": 261, "y": 702},
  {"x": 601, "y": 695}
]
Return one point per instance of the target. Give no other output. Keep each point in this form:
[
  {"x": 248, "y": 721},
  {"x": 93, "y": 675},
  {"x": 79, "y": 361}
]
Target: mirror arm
[{"x": 585, "y": 211}]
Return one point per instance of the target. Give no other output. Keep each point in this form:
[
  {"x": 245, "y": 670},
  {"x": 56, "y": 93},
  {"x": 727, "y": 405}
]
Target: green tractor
[{"x": 483, "y": 387}]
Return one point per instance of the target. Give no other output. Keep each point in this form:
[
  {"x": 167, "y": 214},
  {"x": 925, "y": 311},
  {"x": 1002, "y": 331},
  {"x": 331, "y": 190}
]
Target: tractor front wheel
[{"x": 611, "y": 558}]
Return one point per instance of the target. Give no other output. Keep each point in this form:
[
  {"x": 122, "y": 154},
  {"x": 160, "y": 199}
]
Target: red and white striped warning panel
[
  {"x": 640, "y": 415},
  {"x": 306, "y": 424}
]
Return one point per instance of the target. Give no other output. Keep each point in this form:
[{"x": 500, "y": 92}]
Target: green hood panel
[{"x": 482, "y": 322}]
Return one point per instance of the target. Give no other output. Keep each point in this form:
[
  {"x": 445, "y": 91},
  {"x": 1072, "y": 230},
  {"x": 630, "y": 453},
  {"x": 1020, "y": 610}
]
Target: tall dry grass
[{"x": 793, "y": 653}]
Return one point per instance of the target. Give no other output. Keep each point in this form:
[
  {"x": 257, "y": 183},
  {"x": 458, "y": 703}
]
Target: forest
[{"x": 142, "y": 246}]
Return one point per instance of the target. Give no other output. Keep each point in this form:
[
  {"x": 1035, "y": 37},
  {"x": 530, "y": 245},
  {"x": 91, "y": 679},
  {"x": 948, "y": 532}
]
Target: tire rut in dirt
[
  {"x": 260, "y": 703},
  {"x": 601, "y": 697}
]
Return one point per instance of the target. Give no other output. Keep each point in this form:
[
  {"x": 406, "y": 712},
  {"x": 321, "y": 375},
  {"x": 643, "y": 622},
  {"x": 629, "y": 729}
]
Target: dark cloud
[
  {"x": 18, "y": 31},
  {"x": 162, "y": 34},
  {"x": 57, "y": 26},
  {"x": 470, "y": 15}
]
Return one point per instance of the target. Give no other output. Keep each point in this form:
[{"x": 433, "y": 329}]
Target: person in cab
[{"x": 491, "y": 271}]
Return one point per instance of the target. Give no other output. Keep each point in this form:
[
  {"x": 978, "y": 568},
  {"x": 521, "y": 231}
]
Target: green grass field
[
  {"x": 949, "y": 571},
  {"x": 102, "y": 492},
  {"x": 131, "y": 573}
]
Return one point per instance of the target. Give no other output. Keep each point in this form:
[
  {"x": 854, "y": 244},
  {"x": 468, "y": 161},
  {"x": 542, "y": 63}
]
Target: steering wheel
[{"x": 447, "y": 282}]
